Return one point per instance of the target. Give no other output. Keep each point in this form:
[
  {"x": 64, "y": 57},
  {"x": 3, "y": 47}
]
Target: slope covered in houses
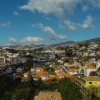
[{"x": 79, "y": 62}]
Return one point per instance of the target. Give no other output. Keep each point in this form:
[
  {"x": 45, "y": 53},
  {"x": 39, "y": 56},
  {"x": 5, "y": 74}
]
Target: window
[{"x": 90, "y": 82}]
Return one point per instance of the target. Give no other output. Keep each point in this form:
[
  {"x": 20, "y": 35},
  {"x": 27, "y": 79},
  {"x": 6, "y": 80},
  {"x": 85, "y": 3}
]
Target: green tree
[
  {"x": 29, "y": 63},
  {"x": 69, "y": 90},
  {"x": 6, "y": 96},
  {"x": 95, "y": 92},
  {"x": 21, "y": 93},
  {"x": 82, "y": 71},
  {"x": 93, "y": 73}
]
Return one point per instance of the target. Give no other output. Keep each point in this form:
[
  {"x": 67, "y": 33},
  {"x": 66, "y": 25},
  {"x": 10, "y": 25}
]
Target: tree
[
  {"x": 21, "y": 93},
  {"x": 69, "y": 52},
  {"x": 93, "y": 73},
  {"x": 82, "y": 71},
  {"x": 69, "y": 90},
  {"x": 29, "y": 63},
  {"x": 95, "y": 92},
  {"x": 57, "y": 56}
]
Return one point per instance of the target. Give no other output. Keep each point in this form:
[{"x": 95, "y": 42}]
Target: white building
[{"x": 88, "y": 68}]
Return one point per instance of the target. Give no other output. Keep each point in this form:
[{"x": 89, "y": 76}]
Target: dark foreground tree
[{"x": 69, "y": 90}]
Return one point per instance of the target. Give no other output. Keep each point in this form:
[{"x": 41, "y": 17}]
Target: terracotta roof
[
  {"x": 39, "y": 69},
  {"x": 89, "y": 66},
  {"x": 61, "y": 73},
  {"x": 24, "y": 78},
  {"x": 91, "y": 78},
  {"x": 72, "y": 69},
  {"x": 70, "y": 77}
]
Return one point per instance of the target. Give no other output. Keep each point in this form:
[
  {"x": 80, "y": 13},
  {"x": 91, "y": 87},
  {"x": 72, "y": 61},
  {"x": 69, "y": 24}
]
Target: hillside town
[{"x": 80, "y": 62}]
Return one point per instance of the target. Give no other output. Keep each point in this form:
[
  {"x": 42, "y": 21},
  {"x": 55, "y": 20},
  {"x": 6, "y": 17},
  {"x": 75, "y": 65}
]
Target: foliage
[
  {"x": 82, "y": 70},
  {"x": 93, "y": 73},
  {"x": 50, "y": 70},
  {"x": 95, "y": 91},
  {"x": 69, "y": 90},
  {"x": 29, "y": 63},
  {"x": 60, "y": 48},
  {"x": 57, "y": 63},
  {"x": 17, "y": 90},
  {"x": 86, "y": 44},
  {"x": 6, "y": 96},
  {"x": 69, "y": 52},
  {"x": 57, "y": 56},
  {"x": 21, "y": 93}
]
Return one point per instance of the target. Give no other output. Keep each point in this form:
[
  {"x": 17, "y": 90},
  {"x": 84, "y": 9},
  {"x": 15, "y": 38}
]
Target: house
[
  {"x": 92, "y": 53},
  {"x": 88, "y": 68},
  {"x": 91, "y": 80},
  {"x": 39, "y": 70},
  {"x": 19, "y": 70},
  {"x": 60, "y": 61},
  {"x": 98, "y": 64},
  {"x": 48, "y": 96},
  {"x": 26, "y": 74},
  {"x": 98, "y": 52},
  {"x": 77, "y": 64},
  {"x": 85, "y": 53},
  {"x": 78, "y": 53},
  {"x": 73, "y": 71},
  {"x": 68, "y": 65},
  {"x": 92, "y": 60}
]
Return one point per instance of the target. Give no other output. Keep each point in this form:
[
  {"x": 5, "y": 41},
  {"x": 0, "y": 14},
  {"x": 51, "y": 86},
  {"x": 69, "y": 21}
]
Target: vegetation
[
  {"x": 93, "y": 73},
  {"x": 17, "y": 90},
  {"x": 95, "y": 91},
  {"x": 69, "y": 90},
  {"x": 28, "y": 64},
  {"x": 50, "y": 70}
]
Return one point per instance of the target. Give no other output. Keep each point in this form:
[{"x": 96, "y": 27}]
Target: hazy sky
[{"x": 48, "y": 21}]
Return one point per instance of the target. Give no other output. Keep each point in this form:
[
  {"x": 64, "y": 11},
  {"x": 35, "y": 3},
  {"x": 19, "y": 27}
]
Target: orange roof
[
  {"x": 89, "y": 66},
  {"x": 36, "y": 76},
  {"x": 62, "y": 73},
  {"x": 24, "y": 78},
  {"x": 73, "y": 69},
  {"x": 39, "y": 69},
  {"x": 70, "y": 76}
]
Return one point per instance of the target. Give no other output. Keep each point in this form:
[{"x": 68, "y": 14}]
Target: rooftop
[{"x": 91, "y": 78}]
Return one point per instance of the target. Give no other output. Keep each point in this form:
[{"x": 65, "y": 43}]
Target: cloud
[
  {"x": 48, "y": 18},
  {"x": 6, "y": 25},
  {"x": 16, "y": 13},
  {"x": 56, "y": 7},
  {"x": 33, "y": 25},
  {"x": 12, "y": 40},
  {"x": 88, "y": 23},
  {"x": 85, "y": 8},
  {"x": 32, "y": 39},
  {"x": 51, "y": 32},
  {"x": 94, "y": 3},
  {"x": 68, "y": 26}
]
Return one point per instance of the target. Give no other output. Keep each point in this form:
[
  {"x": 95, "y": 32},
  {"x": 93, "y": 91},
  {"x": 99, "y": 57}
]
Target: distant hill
[
  {"x": 93, "y": 40},
  {"x": 71, "y": 42},
  {"x": 67, "y": 42}
]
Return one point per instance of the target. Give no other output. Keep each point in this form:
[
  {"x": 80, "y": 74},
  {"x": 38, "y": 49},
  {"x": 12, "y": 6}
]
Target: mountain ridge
[{"x": 71, "y": 42}]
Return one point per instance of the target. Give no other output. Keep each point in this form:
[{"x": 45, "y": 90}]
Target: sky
[{"x": 48, "y": 21}]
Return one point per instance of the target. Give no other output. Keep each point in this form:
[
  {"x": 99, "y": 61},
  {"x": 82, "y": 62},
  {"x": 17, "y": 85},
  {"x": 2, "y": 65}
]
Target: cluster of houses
[
  {"x": 71, "y": 68},
  {"x": 39, "y": 72}
]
